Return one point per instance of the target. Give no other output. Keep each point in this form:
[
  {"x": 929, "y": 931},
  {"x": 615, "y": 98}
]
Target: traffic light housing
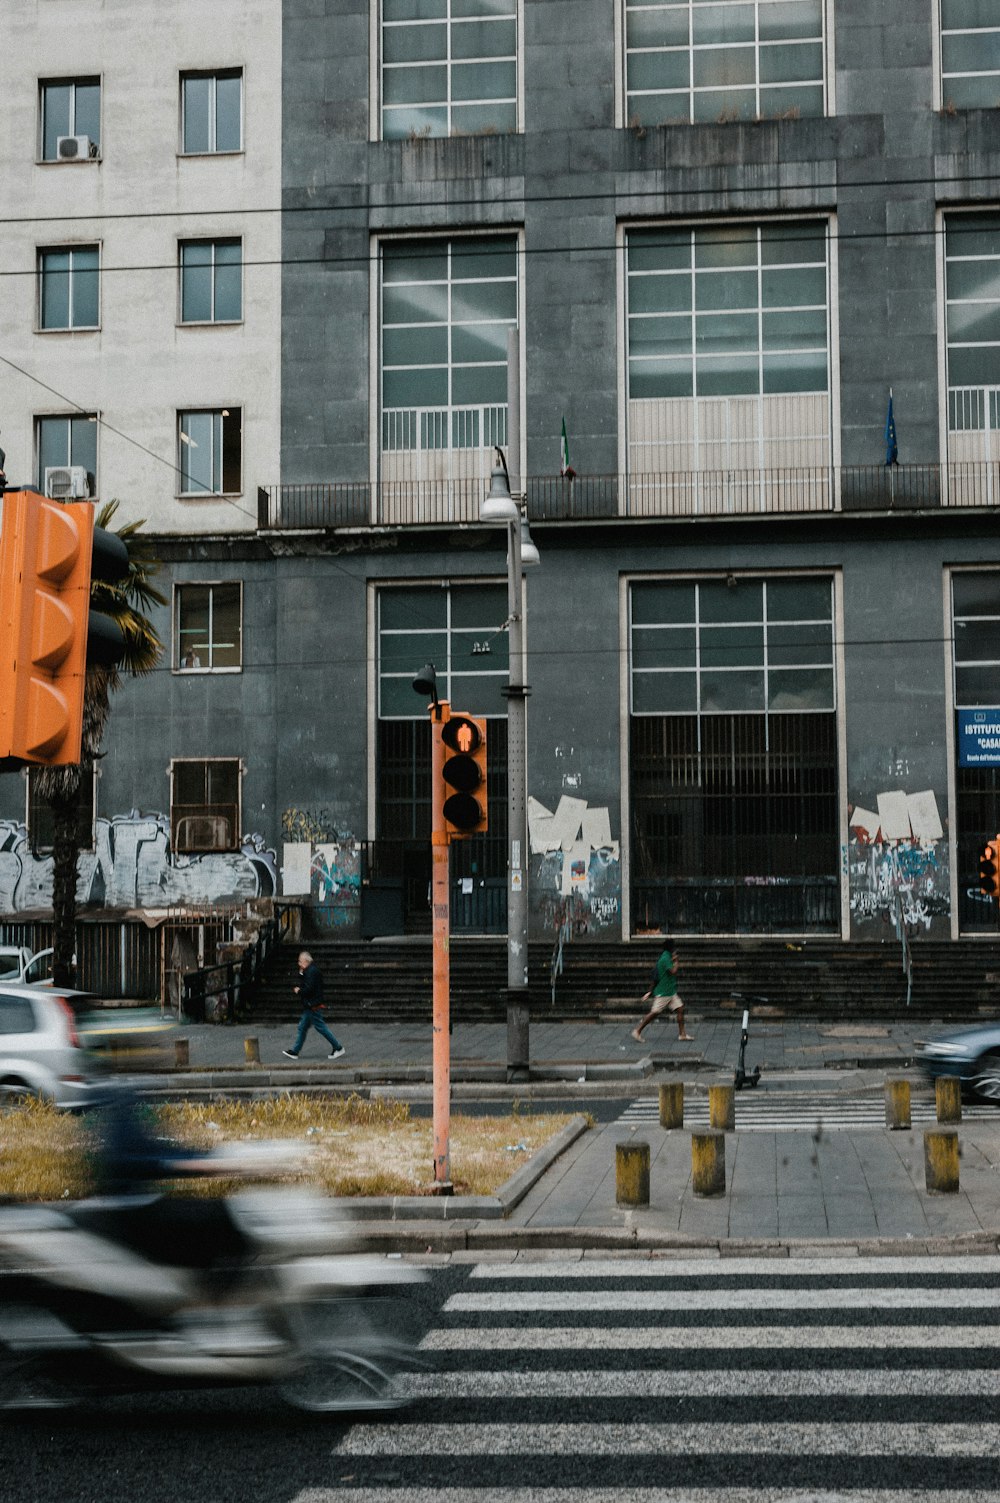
[
  {"x": 47, "y": 561},
  {"x": 989, "y": 869},
  {"x": 463, "y": 775}
]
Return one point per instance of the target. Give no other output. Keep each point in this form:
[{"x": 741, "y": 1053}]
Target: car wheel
[
  {"x": 986, "y": 1081},
  {"x": 13, "y": 1090}
]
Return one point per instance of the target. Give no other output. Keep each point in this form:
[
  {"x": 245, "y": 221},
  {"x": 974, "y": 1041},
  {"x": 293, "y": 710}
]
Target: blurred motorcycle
[{"x": 138, "y": 1292}]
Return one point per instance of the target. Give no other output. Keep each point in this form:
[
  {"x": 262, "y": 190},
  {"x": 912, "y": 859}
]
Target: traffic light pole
[
  {"x": 517, "y": 769},
  {"x": 441, "y": 921}
]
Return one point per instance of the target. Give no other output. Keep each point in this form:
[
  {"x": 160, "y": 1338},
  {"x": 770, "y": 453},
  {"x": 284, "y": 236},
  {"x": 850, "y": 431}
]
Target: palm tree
[{"x": 125, "y": 602}]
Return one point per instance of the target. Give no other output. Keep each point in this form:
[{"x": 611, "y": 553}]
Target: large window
[
  {"x": 210, "y": 457},
  {"x": 71, "y": 115},
  {"x": 205, "y": 804},
  {"x": 733, "y": 754},
  {"x": 970, "y": 54},
  {"x": 719, "y": 60},
  {"x": 212, "y": 112},
  {"x": 976, "y": 629},
  {"x": 732, "y": 310},
  {"x": 208, "y": 626},
  {"x": 460, "y": 630},
  {"x": 732, "y": 644},
  {"x": 67, "y": 445},
  {"x": 972, "y": 272},
  {"x": 449, "y": 67},
  {"x": 211, "y": 273},
  {"x": 68, "y": 288}
]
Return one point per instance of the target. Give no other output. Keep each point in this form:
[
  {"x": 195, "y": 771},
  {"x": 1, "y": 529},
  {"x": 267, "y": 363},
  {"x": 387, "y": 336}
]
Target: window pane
[
  {"x": 483, "y": 80},
  {"x": 663, "y": 647},
  {"x": 87, "y": 111},
  {"x": 664, "y": 693},
  {"x": 722, "y": 691},
  {"x": 415, "y": 85},
  {"x": 475, "y": 385},
  {"x": 722, "y": 23},
  {"x": 83, "y": 447},
  {"x": 724, "y": 69},
  {"x": 804, "y": 689},
  {"x": 732, "y": 290},
  {"x": 803, "y": 328},
  {"x": 660, "y": 336},
  {"x": 961, "y": 13},
  {"x": 189, "y": 782},
  {"x": 780, "y": 64},
  {"x": 660, "y": 378},
  {"x": 659, "y": 251},
  {"x": 226, "y": 630},
  {"x": 414, "y": 44},
  {"x": 414, "y": 10},
  {"x": 196, "y": 95},
  {"x": 55, "y": 290},
  {"x": 480, "y": 342},
  {"x": 976, "y": 279},
  {"x": 782, "y": 244},
  {"x": 406, "y": 120},
  {"x": 728, "y": 376},
  {"x": 975, "y": 53},
  {"x": 223, "y": 782},
  {"x": 480, "y": 694},
  {"x": 666, "y": 26},
  {"x": 800, "y": 18},
  {"x": 976, "y": 686},
  {"x": 732, "y": 646},
  {"x": 228, "y": 131},
  {"x": 85, "y": 289},
  {"x": 722, "y": 603},
  {"x": 475, "y": 119},
  {"x": 795, "y": 372},
  {"x": 483, "y": 300},
  {"x": 55, "y": 117},
  {"x": 788, "y": 645},
  {"x": 483, "y": 39},
  {"x": 666, "y": 294},
  {"x": 196, "y": 451},
  {"x": 228, "y": 281},
  {"x": 666, "y": 603},
  {"x": 415, "y": 304},
  {"x": 53, "y": 444},
  {"x": 730, "y": 246},
  {"x": 418, "y": 609},
  {"x": 232, "y": 452},
  {"x": 978, "y": 642},
  {"x": 798, "y": 599},
  {"x": 976, "y": 594},
  {"x": 721, "y": 332},
  {"x": 193, "y": 642},
  {"x": 415, "y": 388}
]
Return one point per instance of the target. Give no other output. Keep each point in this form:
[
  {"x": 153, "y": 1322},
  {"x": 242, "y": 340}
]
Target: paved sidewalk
[{"x": 850, "y": 1189}]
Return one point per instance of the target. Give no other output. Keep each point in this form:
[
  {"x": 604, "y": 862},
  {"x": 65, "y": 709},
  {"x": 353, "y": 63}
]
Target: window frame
[
  {"x": 73, "y": 81},
  {"x": 31, "y": 804},
  {"x": 627, "y": 117},
  {"x": 943, "y": 99},
  {"x": 486, "y": 635},
  {"x": 237, "y": 71},
  {"x": 223, "y": 413},
  {"x": 71, "y": 250},
  {"x": 214, "y": 241},
  {"x": 68, "y": 418},
  {"x": 378, "y": 67},
  {"x": 200, "y": 848},
  {"x": 200, "y": 669}
]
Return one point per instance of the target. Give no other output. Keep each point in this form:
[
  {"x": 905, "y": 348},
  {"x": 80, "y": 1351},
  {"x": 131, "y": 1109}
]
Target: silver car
[{"x": 41, "y": 1053}]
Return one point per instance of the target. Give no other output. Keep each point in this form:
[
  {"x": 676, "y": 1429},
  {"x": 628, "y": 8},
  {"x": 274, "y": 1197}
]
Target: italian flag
[{"x": 564, "y": 451}]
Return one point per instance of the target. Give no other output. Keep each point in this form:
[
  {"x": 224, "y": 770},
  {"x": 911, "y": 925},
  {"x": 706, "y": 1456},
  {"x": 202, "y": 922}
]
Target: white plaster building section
[{"x": 137, "y": 202}]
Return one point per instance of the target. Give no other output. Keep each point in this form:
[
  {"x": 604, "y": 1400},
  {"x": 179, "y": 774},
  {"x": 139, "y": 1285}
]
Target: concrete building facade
[{"x": 767, "y": 618}]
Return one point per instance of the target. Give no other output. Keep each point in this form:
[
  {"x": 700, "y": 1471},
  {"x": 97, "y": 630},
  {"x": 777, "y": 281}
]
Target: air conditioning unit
[
  {"x": 75, "y": 148},
  {"x": 66, "y": 482}
]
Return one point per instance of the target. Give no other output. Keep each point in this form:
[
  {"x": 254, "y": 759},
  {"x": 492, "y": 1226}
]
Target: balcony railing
[{"x": 703, "y": 493}]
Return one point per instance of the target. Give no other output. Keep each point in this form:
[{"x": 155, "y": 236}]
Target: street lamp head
[
  {"x": 529, "y": 553},
  {"x": 425, "y": 683},
  {"x": 499, "y": 505}
]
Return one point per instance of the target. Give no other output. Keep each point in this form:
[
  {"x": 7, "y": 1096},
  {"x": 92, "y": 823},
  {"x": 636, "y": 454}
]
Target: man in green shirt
[{"x": 664, "y": 994}]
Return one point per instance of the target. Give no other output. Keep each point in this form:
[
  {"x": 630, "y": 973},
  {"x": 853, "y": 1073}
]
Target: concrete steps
[{"x": 820, "y": 978}]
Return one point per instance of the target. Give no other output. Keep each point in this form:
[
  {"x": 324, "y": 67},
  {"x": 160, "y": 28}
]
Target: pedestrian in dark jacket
[{"x": 310, "y": 994}]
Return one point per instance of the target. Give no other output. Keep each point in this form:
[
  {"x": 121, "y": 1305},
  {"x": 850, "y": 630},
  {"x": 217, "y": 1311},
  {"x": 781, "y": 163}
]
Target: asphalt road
[{"x": 751, "y": 1379}]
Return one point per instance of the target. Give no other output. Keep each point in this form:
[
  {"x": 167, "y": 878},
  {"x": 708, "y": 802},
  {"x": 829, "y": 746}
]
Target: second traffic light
[
  {"x": 989, "y": 869},
  {"x": 464, "y": 775}
]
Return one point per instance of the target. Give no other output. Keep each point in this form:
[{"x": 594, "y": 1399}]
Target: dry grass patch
[{"x": 351, "y": 1146}]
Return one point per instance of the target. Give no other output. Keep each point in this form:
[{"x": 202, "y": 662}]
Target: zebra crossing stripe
[
  {"x": 601, "y": 1300},
  {"x": 699, "y": 1338},
  {"x": 825, "y": 1438},
  {"x": 659, "y": 1494},
  {"x": 651, "y": 1383},
  {"x": 770, "y": 1268}
]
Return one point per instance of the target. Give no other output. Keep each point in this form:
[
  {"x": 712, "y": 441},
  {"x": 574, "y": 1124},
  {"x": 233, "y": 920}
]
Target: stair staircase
[{"x": 390, "y": 981}]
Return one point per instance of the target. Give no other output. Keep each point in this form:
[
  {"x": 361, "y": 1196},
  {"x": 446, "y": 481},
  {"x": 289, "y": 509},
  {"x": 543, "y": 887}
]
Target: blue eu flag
[{"x": 891, "y": 448}]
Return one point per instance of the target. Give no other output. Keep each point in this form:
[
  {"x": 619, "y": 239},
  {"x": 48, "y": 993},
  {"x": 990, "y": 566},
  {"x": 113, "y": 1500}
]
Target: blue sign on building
[{"x": 979, "y": 738}]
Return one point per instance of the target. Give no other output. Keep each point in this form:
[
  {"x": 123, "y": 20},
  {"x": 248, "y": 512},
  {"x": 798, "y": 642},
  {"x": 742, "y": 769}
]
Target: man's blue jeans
[{"x": 310, "y": 1019}]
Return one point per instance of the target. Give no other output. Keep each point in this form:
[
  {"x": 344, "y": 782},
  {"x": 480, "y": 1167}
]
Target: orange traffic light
[
  {"x": 464, "y": 774},
  {"x": 45, "y": 564},
  {"x": 989, "y": 869}
]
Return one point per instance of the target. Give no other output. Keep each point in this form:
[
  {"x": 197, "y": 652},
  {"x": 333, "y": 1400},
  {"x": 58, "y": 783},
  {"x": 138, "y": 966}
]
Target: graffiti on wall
[
  {"x": 132, "y": 866},
  {"x": 576, "y": 866},
  {"x": 898, "y": 862},
  {"x": 329, "y": 873},
  {"x": 315, "y": 826}
]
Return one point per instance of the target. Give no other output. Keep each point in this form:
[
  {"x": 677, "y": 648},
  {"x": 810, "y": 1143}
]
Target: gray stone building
[{"x": 766, "y": 625}]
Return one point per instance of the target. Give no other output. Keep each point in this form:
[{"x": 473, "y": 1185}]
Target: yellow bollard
[
  {"x": 897, "y": 1104},
  {"x": 672, "y": 1104},
  {"x": 941, "y": 1160},
  {"x": 708, "y": 1163},
  {"x": 721, "y": 1107},
  {"x": 180, "y": 1052},
  {"x": 632, "y": 1174},
  {"x": 251, "y": 1048},
  {"x": 948, "y": 1098}
]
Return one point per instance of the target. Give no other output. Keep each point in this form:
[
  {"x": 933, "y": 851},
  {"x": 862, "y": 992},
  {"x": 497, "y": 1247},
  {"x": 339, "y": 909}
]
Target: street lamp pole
[{"x": 504, "y": 504}]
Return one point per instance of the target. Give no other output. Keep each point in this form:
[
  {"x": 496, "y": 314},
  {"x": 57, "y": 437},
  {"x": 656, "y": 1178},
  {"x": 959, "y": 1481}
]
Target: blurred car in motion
[
  {"x": 973, "y": 1054},
  {"x": 18, "y": 964},
  {"x": 41, "y": 1052}
]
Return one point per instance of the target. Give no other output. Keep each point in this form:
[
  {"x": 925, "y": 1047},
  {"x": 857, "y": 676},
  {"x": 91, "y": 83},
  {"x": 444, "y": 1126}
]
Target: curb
[{"x": 432, "y": 1210}]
